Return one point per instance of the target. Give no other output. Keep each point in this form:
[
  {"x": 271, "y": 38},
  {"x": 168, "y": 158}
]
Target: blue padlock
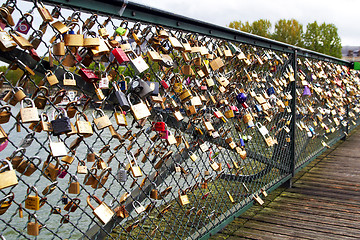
[
  {"x": 241, "y": 98},
  {"x": 242, "y": 142},
  {"x": 258, "y": 108},
  {"x": 270, "y": 91}
]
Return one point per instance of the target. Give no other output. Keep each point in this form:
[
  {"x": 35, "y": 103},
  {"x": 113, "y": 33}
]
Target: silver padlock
[
  {"x": 122, "y": 175},
  {"x": 138, "y": 207},
  {"x": 57, "y": 149},
  {"x": 262, "y": 129}
]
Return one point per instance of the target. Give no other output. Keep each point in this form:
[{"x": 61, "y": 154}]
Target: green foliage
[
  {"x": 322, "y": 38},
  {"x": 260, "y": 27},
  {"x": 288, "y": 31}
]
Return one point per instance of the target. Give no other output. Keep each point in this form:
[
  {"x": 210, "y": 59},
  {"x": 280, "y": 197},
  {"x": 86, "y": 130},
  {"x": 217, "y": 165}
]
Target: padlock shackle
[
  {"x": 31, "y": 159},
  {"x": 10, "y": 196},
  {"x": 96, "y": 200},
  {"x": 21, "y": 150},
  {"x": 32, "y": 189}
]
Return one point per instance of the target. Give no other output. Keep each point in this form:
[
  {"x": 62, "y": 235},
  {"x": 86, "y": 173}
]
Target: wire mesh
[{"x": 206, "y": 130}]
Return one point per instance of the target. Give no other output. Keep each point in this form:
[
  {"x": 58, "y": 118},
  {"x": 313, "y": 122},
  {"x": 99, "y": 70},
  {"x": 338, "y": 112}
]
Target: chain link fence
[{"x": 113, "y": 128}]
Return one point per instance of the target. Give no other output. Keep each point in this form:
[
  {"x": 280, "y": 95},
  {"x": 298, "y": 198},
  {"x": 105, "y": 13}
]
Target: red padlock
[
  {"x": 34, "y": 55},
  {"x": 164, "y": 84},
  {"x": 88, "y": 75},
  {"x": 120, "y": 55},
  {"x": 160, "y": 127}
]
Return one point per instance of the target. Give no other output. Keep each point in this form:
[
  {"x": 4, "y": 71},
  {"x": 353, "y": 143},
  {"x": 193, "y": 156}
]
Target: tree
[
  {"x": 323, "y": 38},
  {"x": 260, "y": 27},
  {"x": 288, "y": 31}
]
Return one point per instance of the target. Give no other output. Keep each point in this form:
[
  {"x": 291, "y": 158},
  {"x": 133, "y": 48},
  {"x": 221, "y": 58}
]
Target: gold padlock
[
  {"x": 139, "y": 110},
  {"x": 33, "y": 228},
  {"x": 135, "y": 169},
  {"x": 6, "y": 202},
  {"x": 184, "y": 199},
  {"x": 51, "y": 78},
  {"x": 102, "y": 212},
  {"x": 74, "y": 40},
  {"x": 74, "y": 186},
  {"x": 83, "y": 127},
  {"x": 32, "y": 202},
  {"x": 103, "y": 121}
]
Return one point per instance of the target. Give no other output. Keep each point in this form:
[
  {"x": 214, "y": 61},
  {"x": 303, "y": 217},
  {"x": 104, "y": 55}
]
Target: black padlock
[
  {"x": 121, "y": 97},
  {"x": 140, "y": 88},
  {"x": 61, "y": 123}
]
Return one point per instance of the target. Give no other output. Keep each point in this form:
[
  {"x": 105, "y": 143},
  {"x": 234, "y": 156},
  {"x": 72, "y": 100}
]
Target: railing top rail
[{"x": 139, "y": 12}]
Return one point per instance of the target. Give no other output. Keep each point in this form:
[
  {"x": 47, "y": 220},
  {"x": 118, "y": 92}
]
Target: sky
[{"x": 343, "y": 14}]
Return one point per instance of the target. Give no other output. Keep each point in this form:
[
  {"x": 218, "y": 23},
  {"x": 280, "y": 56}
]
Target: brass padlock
[
  {"x": 102, "y": 212},
  {"x": 69, "y": 81},
  {"x": 103, "y": 121},
  {"x": 40, "y": 97},
  {"x": 6, "y": 202},
  {"x": 20, "y": 40},
  {"x": 50, "y": 170},
  {"x": 81, "y": 168},
  {"x": 29, "y": 114},
  {"x": 5, "y": 113},
  {"x": 102, "y": 178},
  {"x": 83, "y": 127},
  {"x": 32, "y": 202},
  {"x": 51, "y": 78},
  {"x": 8, "y": 178},
  {"x": 135, "y": 169},
  {"x": 119, "y": 117},
  {"x": 74, "y": 40},
  {"x": 33, "y": 228},
  {"x": 74, "y": 186},
  {"x": 59, "y": 47},
  {"x": 50, "y": 188},
  {"x": 184, "y": 199},
  {"x": 27, "y": 167}
]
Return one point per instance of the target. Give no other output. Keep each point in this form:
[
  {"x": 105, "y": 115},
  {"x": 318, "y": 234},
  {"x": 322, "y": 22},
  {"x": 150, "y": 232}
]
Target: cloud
[{"x": 343, "y": 13}]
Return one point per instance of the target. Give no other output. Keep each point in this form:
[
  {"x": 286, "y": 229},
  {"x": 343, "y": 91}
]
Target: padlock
[
  {"x": 193, "y": 156},
  {"x": 139, "y": 208},
  {"x": 185, "y": 95},
  {"x": 121, "y": 98},
  {"x": 40, "y": 97},
  {"x": 216, "y": 64},
  {"x": 27, "y": 167},
  {"x": 17, "y": 156},
  {"x": 119, "y": 117},
  {"x": 55, "y": 210},
  {"x": 8, "y": 178},
  {"x": 102, "y": 212},
  {"x": 6, "y": 202},
  {"x": 104, "y": 81},
  {"x": 81, "y": 167},
  {"x": 74, "y": 186},
  {"x": 51, "y": 78},
  {"x": 59, "y": 48},
  {"x": 135, "y": 169},
  {"x": 6, "y": 42},
  {"x": 120, "y": 55},
  {"x": 23, "y": 26},
  {"x": 3, "y": 136},
  {"x": 139, "y": 110},
  {"x": 63, "y": 170},
  {"x": 29, "y": 114},
  {"x": 88, "y": 75},
  {"x": 60, "y": 27},
  {"x": 90, "y": 176},
  {"x": 32, "y": 202},
  {"x": 102, "y": 178},
  {"x": 65, "y": 219},
  {"x": 103, "y": 121},
  {"x": 98, "y": 92},
  {"x": 140, "y": 88},
  {"x": 83, "y": 127},
  {"x": 184, "y": 199},
  {"x": 20, "y": 40},
  {"x": 69, "y": 81},
  {"x": 5, "y": 113},
  {"x": 74, "y": 40},
  {"x": 60, "y": 123},
  {"x": 102, "y": 49},
  {"x": 91, "y": 40},
  {"x": 121, "y": 212},
  {"x": 69, "y": 159},
  {"x": 122, "y": 175},
  {"x": 160, "y": 126},
  {"x": 72, "y": 205},
  {"x": 137, "y": 63},
  {"x": 57, "y": 149},
  {"x": 50, "y": 188},
  {"x": 44, "y": 13},
  {"x": 33, "y": 228}
]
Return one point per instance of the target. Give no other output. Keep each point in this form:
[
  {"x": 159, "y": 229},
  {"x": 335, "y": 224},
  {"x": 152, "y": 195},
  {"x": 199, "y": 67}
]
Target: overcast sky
[{"x": 344, "y": 14}]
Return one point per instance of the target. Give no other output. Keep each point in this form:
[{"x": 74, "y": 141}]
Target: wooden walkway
[{"x": 324, "y": 202}]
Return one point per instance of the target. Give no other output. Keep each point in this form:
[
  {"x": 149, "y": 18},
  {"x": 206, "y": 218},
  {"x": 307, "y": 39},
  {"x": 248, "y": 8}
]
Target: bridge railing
[{"x": 215, "y": 120}]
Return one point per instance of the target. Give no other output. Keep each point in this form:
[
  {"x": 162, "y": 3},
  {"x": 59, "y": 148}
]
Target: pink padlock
[
  {"x": 234, "y": 108},
  {"x": 63, "y": 171},
  {"x": 164, "y": 134}
]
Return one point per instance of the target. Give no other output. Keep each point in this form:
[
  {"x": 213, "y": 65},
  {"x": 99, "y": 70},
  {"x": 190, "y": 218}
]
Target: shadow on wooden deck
[{"x": 324, "y": 202}]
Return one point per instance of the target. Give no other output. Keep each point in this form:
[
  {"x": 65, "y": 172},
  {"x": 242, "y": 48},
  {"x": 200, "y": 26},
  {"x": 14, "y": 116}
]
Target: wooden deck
[{"x": 324, "y": 202}]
